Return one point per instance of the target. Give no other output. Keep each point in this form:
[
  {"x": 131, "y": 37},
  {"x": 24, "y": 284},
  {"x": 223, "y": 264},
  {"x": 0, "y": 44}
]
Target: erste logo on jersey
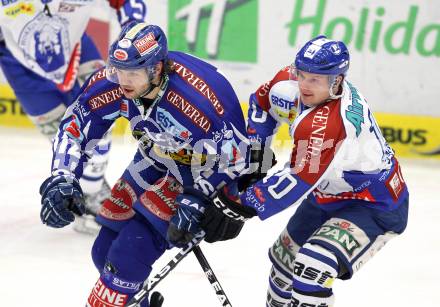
[
  {"x": 171, "y": 125},
  {"x": 282, "y": 102},
  {"x": 282, "y": 97}
]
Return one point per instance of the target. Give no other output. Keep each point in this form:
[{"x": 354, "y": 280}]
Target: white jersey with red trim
[
  {"x": 339, "y": 155},
  {"x": 273, "y": 103},
  {"x": 44, "y": 35}
]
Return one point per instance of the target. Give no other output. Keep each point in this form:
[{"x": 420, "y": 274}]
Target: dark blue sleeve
[
  {"x": 261, "y": 125},
  {"x": 132, "y": 10},
  {"x": 79, "y": 132}
]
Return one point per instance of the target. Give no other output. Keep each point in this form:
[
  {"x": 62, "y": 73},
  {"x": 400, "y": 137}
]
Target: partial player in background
[
  {"x": 191, "y": 138},
  {"x": 46, "y": 56},
  {"x": 343, "y": 175}
]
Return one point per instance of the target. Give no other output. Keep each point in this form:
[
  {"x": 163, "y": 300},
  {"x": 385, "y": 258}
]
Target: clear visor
[
  {"x": 129, "y": 77},
  {"x": 318, "y": 79},
  {"x": 293, "y": 72}
]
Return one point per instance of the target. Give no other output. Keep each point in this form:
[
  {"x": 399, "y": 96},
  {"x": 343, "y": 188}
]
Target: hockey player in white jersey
[
  {"x": 342, "y": 175},
  {"x": 45, "y": 56}
]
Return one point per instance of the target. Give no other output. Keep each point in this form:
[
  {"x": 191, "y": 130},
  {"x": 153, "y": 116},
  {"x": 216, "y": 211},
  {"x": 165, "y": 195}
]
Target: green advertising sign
[
  {"x": 214, "y": 29},
  {"x": 400, "y": 37}
]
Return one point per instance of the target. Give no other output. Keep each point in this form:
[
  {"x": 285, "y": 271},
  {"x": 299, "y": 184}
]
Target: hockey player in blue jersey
[
  {"x": 192, "y": 139},
  {"x": 342, "y": 175},
  {"x": 45, "y": 56}
]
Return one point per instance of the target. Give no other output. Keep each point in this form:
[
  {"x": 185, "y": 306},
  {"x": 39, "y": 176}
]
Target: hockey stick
[
  {"x": 221, "y": 295},
  {"x": 153, "y": 281}
]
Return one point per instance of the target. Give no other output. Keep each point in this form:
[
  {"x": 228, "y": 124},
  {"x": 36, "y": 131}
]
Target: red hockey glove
[{"x": 116, "y": 4}]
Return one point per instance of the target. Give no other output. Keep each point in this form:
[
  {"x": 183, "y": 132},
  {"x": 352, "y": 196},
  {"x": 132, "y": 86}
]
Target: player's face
[
  {"x": 133, "y": 82},
  {"x": 313, "y": 88}
]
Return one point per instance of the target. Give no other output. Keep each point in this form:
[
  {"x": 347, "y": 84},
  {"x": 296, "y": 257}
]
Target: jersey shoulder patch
[
  {"x": 283, "y": 100},
  {"x": 263, "y": 92}
]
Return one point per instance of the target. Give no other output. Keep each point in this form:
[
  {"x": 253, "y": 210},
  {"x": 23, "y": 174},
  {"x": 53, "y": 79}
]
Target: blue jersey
[{"x": 196, "y": 121}]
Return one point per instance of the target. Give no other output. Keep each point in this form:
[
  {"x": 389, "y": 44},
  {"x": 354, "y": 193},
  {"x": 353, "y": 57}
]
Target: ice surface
[{"x": 43, "y": 267}]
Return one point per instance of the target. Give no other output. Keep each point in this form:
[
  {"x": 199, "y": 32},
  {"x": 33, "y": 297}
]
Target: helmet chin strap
[
  {"x": 151, "y": 87},
  {"x": 332, "y": 84}
]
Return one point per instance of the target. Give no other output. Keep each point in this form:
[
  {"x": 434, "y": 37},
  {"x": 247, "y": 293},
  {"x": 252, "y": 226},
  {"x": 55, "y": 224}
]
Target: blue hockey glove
[
  {"x": 61, "y": 196},
  {"x": 184, "y": 225}
]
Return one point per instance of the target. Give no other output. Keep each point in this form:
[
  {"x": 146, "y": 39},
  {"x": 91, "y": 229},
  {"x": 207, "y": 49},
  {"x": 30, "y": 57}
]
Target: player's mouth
[
  {"x": 306, "y": 95},
  {"x": 127, "y": 90}
]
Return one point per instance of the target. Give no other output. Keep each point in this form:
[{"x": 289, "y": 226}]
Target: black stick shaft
[
  {"x": 153, "y": 281},
  {"x": 221, "y": 295}
]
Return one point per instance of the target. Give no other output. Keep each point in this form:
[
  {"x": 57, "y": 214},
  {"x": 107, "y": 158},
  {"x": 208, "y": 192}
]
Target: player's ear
[
  {"x": 339, "y": 80},
  {"x": 158, "y": 71},
  {"x": 159, "y": 68},
  {"x": 337, "y": 83}
]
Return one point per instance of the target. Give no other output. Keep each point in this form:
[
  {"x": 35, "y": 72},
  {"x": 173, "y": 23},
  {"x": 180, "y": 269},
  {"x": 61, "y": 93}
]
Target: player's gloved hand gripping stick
[{"x": 184, "y": 231}]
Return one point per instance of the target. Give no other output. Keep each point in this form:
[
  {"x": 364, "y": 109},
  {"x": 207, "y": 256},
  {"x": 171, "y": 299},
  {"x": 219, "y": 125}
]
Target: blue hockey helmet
[
  {"x": 138, "y": 45},
  {"x": 323, "y": 56}
]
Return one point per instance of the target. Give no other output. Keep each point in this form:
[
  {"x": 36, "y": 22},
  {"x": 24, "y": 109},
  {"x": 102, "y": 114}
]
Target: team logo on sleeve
[
  {"x": 395, "y": 183},
  {"x": 73, "y": 129}
]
